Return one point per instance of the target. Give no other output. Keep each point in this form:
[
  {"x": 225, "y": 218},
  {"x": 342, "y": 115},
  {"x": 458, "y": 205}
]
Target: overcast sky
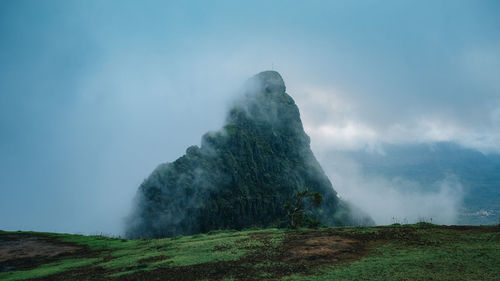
[{"x": 95, "y": 94}]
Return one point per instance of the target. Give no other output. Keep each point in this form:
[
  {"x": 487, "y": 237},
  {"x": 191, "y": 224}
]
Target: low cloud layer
[{"x": 395, "y": 200}]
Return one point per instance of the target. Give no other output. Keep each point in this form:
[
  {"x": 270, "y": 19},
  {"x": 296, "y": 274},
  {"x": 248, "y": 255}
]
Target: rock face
[{"x": 241, "y": 176}]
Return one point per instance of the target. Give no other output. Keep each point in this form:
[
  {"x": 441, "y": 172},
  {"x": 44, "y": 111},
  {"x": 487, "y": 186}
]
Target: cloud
[
  {"x": 335, "y": 121},
  {"x": 396, "y": 199}
]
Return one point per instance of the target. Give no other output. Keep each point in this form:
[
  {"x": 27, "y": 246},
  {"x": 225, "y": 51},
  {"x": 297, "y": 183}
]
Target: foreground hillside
[{"x": 409, "y": 252}]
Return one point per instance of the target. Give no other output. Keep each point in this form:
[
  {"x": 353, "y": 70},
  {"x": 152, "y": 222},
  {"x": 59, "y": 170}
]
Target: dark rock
[{"x": 242, "y": 175}]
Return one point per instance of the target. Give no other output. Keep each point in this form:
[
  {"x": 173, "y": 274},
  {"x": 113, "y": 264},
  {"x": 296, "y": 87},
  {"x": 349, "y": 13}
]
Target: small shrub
[{"x": 296, "y": 212}]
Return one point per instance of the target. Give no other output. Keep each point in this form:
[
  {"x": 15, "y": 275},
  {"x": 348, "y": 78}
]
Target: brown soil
[
  {"x": 15, "y": 247},
  {"x": 153, "y": 259},
  {"x": 21, "y": 251},
  {"x": 313, "y": 249}
]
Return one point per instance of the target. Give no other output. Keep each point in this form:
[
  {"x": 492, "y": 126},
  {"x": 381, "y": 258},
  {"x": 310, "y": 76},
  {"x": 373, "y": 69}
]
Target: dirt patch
[
  {"x": 206, "y": 271},
  {"x": 316, "y": 248},
  {"x": 469, "y": 228},
  {"x": 12, "y": 247},
  {"x": 153, "y": 259},
  {"x": 20, "y": 251},
  {"x": 323, "y": 249}
]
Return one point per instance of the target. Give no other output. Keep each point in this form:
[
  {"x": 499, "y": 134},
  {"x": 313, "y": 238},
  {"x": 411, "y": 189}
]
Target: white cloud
[
  {"x": 336, "y": 122},
  {"x": 390, "y": 200}
]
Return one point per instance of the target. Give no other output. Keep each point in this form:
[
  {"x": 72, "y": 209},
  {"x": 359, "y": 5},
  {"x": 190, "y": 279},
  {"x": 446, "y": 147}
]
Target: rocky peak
[{"x": 242, "y": 175}]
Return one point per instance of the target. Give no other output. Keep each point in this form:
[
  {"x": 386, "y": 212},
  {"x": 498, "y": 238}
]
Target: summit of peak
[{"x": 270, "y": 81}]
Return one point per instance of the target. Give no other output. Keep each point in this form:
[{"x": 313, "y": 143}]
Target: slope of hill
[
  {"x": 398, "y": 252},
  {"x": 241, "y": 176}
]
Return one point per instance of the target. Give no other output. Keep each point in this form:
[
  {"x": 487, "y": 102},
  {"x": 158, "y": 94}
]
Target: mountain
[
  {"x": 425, "y": 164},
  {"x": 242, "y": 175}
]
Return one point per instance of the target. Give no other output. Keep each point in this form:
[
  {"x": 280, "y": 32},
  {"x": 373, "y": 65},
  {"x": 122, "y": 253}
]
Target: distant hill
[
  {"x": 241, "y": 176},
  {"x": 478, "y": 173}
]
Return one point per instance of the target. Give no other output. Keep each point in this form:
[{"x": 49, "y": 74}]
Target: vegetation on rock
[{"x": 242, "y": 175}]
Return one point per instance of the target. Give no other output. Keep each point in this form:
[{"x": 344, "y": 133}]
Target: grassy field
[{"x": 398, "y": 252}]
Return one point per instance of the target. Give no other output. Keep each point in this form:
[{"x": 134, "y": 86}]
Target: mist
[
  {"x": 93, "y": 95},
  {"x": 397, "y": 199}
]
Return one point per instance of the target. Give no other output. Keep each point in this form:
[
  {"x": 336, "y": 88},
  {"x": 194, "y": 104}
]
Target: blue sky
[{"x": 95, "y": 94}]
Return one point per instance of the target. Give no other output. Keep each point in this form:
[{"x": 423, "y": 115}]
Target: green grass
[
  {"x": 436, "y": 254},
  {"x": 397, "y": 252},
  {"x": 391, "y": 262},
  {"x": 182, "y": 251},
  {"x": 98, "y": 242}
]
